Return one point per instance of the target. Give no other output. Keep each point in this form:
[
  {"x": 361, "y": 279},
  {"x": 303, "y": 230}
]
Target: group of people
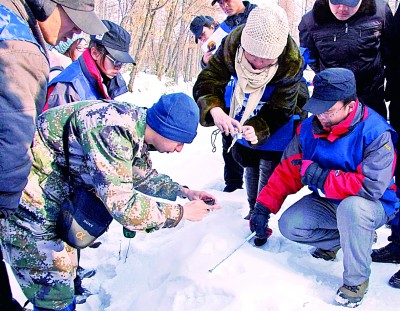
[
  {"x": 107, "y": 144},
  {"x": 345, "y": 152},
  {"x": 251, "y": 88}
]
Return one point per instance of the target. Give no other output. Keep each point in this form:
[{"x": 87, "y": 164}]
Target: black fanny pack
[{"x": 83, "y": 216}]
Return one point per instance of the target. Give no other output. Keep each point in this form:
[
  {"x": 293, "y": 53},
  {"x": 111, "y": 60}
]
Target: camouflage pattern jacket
[
  {"x": 209, "y": 88},
  {"x": 108, "y": 154}
]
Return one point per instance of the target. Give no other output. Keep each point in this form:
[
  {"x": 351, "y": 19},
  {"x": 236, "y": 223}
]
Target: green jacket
[
  {"x": 108, "y": 154},
  {"x": 209, "y": 88}
]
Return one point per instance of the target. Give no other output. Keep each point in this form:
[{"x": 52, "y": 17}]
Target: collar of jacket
[
  {"x": 322, "y": 13},
  {"x": 239, "y": 19},
  {"x": 92, "y": 72},
  {"x": 344, "y": 127}
]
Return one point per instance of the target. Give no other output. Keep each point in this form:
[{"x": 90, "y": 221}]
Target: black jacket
[{"x": 359, "y": 44}]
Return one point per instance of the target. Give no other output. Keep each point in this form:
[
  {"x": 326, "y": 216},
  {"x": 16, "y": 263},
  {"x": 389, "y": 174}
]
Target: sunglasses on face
[
  {"x": 115, "y": 62},
  {"x": 81, "y": 48}
]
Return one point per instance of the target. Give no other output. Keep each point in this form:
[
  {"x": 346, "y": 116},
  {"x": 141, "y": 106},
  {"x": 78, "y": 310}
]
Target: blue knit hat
[
  {"x": 63, "y": 47},
  {"x": 174, "y": 116}
]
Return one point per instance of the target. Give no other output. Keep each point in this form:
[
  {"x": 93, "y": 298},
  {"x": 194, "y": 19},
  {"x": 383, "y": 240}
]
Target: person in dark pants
[
  {"x": 202, "y": 28},
  {"x": 391, "y": 252}
]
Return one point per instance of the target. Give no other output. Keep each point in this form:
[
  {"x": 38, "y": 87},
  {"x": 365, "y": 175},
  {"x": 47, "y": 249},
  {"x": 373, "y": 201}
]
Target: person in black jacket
[
  {"x": 352, "y": 34},
  {"x": 391, "y": 252}
]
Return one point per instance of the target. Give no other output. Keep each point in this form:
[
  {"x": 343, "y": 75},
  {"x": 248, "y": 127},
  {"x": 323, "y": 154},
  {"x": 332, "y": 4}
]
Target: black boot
[
  {"x": 395, "y": 280},
  {"x": 391, "y": 252}
]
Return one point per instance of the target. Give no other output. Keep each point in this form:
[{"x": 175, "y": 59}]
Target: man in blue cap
[{"x": 344, "y": 154}]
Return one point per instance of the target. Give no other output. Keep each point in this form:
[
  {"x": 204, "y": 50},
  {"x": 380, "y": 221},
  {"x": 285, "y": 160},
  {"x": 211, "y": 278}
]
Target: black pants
[
  {"x": 233, "y": 172},
  {"x": 5, "y": 289}
]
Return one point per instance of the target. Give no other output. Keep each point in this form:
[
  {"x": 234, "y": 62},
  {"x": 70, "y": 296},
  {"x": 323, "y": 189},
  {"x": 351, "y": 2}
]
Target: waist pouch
[{"x": 82, "y": 218}]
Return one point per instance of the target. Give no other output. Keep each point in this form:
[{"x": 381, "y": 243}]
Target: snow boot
[
  {"x": 387, "y": 254},
  {"x": 325, "y": 254},
  {"x": 395, "y": 280},
  {"x": 351, "y": 296}
]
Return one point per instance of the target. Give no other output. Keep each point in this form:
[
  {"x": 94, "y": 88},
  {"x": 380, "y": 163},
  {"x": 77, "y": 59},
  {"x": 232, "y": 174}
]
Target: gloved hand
[
  {"x": 312, "y": 174},
  {"x": 259, "y": 224}
]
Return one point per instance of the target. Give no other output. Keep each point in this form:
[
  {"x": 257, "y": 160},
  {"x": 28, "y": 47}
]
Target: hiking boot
[
  {"x": 325, "y": 254},
  {"x": 85, "y": 273},
  {"x": 351, "y": 296},
  {"x": 388, "y": 254},
  {"x": 395, "y": 280}
]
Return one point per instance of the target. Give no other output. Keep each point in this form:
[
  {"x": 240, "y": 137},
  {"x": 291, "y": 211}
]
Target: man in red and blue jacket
[{"x": 344, "y": 153}]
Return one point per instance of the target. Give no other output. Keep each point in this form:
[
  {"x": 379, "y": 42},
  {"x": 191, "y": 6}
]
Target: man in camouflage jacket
[{"x": 109, "y": 145}]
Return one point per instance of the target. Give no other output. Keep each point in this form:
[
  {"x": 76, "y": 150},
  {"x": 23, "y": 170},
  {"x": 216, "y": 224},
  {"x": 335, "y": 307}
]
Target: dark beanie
[{"x": 175, "y": 116}]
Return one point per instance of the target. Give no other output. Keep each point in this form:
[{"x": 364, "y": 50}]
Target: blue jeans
[
  {"x": 256, "y": 178},
  {"x": 322, "y": 223}
]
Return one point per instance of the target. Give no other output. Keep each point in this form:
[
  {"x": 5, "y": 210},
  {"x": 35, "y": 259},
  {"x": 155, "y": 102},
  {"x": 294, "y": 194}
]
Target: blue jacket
[
  {"x": 357, "y": 154},
  {"x": 82, "y": 80}
]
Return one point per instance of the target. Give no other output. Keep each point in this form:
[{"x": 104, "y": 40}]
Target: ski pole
[{"x": 231, "y": 253}]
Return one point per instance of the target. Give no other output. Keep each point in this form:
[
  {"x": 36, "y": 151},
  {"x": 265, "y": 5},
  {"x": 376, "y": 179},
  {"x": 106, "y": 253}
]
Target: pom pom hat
[
  {"x": 174, "y": 116},
  {"x": 266, "y": 32}
]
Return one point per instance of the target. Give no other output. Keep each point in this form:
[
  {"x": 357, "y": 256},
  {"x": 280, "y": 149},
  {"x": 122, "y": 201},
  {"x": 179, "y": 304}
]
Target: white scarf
[{"x": 250, "y": 81}]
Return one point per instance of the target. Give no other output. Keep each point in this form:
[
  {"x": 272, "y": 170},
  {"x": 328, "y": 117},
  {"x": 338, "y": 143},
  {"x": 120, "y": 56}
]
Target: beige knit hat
[{"x": 266, "y": 31}]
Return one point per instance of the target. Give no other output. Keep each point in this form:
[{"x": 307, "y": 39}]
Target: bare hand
[
  {"x": 224, "y": 122},
  {"x": 197, "y": 209},
  {"x": 206, "y": 57},
  {"x": 249, "y": 134}
]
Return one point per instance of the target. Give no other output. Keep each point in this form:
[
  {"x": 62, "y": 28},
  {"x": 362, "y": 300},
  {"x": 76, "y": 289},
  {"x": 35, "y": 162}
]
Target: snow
[{"x": 169, "y": 269}]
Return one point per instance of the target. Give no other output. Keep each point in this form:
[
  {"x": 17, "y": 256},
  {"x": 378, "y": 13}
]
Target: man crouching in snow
[
  {"x": 108, "y": 145},
  {"x": 344, "y": 153}
]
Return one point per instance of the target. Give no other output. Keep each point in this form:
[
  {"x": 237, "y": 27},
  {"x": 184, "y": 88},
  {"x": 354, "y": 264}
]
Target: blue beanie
[{"x": 174, "y": 116}]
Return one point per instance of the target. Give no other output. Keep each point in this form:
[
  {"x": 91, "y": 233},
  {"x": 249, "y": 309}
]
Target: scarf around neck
[{"x": 250, "y": 81}]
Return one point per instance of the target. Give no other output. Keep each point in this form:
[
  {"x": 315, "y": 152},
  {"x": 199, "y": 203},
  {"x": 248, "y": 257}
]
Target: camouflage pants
[{"x": 44, "y": 267}]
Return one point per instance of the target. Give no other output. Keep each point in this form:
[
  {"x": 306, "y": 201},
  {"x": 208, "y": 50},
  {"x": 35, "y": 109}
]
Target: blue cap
[
  {"x": 351, "y": 3},
  {"x": 175, "y": 116},
  {"x": 330, "y": 86},
  {"x": 197, "y": 24}
]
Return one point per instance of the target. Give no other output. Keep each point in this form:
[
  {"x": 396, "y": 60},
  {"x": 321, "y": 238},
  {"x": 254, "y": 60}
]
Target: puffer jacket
[
  {"x": 209, "y": 88},
  {"x": 359, "y": 44}
]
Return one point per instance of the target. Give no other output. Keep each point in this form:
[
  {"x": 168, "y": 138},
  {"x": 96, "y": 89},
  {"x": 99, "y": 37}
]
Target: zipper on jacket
[
  {"x": 347, "y": 28},
  {"x": 334, "y": 38}
]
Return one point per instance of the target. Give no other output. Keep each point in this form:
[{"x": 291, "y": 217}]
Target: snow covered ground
[{"x": 168, "y": 270}]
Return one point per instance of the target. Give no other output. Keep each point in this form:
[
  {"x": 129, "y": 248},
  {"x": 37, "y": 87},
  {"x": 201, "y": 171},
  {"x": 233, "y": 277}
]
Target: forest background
[{"x": 161, "y": 41}]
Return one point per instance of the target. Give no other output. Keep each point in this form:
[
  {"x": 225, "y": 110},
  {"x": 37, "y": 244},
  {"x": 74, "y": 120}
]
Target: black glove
[
  {"x": 259, "y": 224},
  {"x": 312, "y": 174}
]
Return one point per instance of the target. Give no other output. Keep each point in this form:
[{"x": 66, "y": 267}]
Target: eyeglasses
[
  {"x": 115, "y": 62},
  {"x": 81, "y": 48},
  {"x": 331, "y": 114}
]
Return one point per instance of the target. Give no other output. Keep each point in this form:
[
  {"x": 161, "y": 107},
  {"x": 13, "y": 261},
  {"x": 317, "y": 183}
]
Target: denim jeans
[
  {"x": 256, "y": 178},
  {"x": 322, "y": 223}
]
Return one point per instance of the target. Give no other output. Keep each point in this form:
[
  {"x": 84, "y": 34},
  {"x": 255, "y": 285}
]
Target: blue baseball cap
[
  {"x": 351, "y": 3},
  {"x": 330, "y": 86},
  {"x": 196, "y": 26}
]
